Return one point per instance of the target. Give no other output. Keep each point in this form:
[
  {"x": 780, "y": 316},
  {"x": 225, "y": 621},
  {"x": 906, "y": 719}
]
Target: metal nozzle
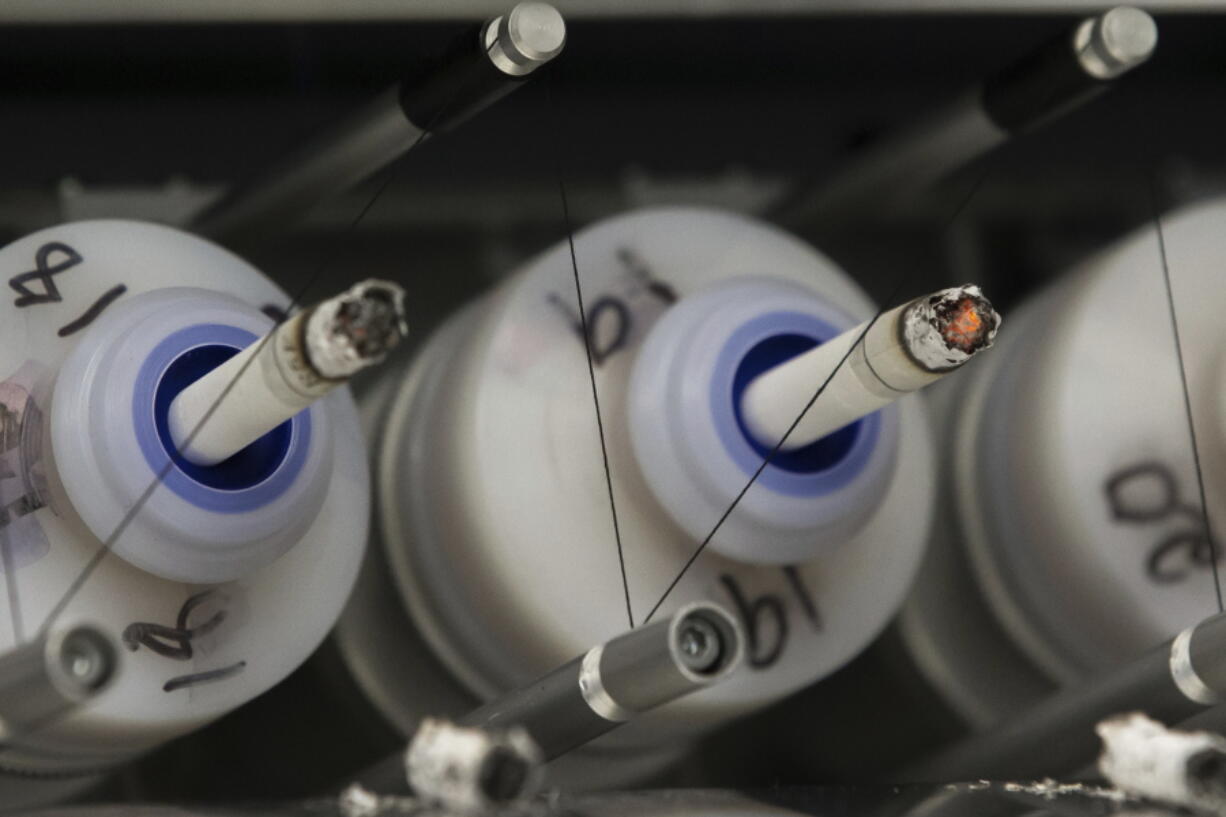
[
  {"x": 706, "y": 641},
  {"x": 1115, "y": 42},
  {"x": 699, "y": 645},
  {"x": 526, "y": 38}
]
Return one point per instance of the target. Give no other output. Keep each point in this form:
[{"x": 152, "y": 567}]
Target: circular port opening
[
  {"x": 249, "y": 467},
  {"x": 816, "y": 457}
]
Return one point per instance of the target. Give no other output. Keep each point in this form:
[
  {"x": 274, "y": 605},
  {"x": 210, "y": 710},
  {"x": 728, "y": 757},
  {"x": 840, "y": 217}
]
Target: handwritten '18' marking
[{"x": 44, "y": 273}]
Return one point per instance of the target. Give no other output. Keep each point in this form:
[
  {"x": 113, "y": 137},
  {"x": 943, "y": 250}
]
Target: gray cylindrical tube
[
  {"x": 899, "y": 165},
  {"x": 699, "y": 645},
  {"x": 635, "y": 672},
  {"x": 1039, "y": 86},
  {"x": 485, "y": 64},
  {"x": 49, "y": 676},
  {"x": 334, "y": 161},
  {"x": 1172, "y": 683}
]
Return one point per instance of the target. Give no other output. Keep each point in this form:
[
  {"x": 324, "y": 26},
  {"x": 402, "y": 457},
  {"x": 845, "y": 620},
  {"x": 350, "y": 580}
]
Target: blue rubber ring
[
  {"x": 253, "y": 478},
  {"x": 823, "y": 467}
]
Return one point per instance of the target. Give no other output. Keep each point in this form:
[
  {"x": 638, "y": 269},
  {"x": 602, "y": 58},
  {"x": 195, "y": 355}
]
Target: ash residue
[
  {"x": 1145, "y": 758},
  {"x": 356, "y": 329},
  {"x": 944, "y": 330}
]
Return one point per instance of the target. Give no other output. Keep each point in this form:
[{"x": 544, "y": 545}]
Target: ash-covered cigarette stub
[
  {"x": 277, "y": 376},
  {"x": 904, "y": 350},
  {"x": 472, "y": 771},
  {"x": 1145, "y": 758}
]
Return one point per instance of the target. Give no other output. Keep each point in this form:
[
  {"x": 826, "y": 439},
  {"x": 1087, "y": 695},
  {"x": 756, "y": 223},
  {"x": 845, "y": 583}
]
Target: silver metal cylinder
[
  {"x": 635, "y": 672},
  {"x": 1115, "y": 41},
  {"x": 699, "y": 645},
  {"x": 47, "y": 677},
  {"x": 1049, "y": 81},
  {"x": 486, "y": 64},
  {"x": 525, "y": 39},
  {"x": 1172, "y": 683}
]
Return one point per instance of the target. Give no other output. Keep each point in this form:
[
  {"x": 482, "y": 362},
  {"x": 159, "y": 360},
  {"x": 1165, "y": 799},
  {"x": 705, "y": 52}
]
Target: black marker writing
[
  {"x": 208, "y": 676},
  {"x": 173, "y": 642},
  {"x": 767, "y": 640},
  {"x": 50, "y": 260},
  {"x": 44, "y": 273},
  {"x": 93, "y": 312},
  {"x": 1148, "y": 492}
]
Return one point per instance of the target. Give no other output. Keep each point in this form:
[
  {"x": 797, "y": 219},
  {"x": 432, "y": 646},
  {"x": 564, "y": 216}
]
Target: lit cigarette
[
  {"x": 905, "y": 349},
  {"x": 306, "y": 357}
]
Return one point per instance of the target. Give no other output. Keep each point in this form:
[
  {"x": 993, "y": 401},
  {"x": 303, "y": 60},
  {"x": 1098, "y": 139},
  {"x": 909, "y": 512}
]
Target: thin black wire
[
  {"x": 591, "y": 368},
  {"x": 974, "y": 188},
  {"x": 1187, "y": 398},
  {"x": 109, "y": 543}
]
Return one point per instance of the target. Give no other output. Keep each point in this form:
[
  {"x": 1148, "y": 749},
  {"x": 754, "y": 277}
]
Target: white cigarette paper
[
  {"x": 279, "y": 375},
  {"x": 903, "y": 350}
]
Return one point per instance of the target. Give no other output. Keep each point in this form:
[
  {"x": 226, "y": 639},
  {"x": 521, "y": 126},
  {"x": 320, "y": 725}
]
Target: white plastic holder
[
  {"x": 110, "y": 411},
  {"x": 695, "y": 448},
  {"x": 1073, "y": 483},
  {"x": 493, "y": 511},
  {"x": 258, "y": 579}
]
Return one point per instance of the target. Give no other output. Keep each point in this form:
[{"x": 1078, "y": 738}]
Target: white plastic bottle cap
[
  {"x": 109, "y": 294},
  {"x": 109, "y": 423},
  {"x": 494, "y": 510},
  {"x": 697, "y": 454}
]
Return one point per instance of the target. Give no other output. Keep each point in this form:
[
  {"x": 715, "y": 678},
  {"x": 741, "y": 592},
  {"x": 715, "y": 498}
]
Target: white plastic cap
[
  {"x": 104, "y": 423},
  {"x": 696, "y": 458}
]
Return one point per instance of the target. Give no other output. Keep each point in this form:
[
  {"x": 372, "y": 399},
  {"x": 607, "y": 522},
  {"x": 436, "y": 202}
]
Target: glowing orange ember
[{"x": 965, "y": 327}]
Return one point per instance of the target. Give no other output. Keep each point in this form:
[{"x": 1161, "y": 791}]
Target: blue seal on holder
[
  {"x": 819, "y": 468},
  {"x": 250, "y": 479}
]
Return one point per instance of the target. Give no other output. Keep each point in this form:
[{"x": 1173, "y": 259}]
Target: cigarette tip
[{"x": 944, "y": 330}]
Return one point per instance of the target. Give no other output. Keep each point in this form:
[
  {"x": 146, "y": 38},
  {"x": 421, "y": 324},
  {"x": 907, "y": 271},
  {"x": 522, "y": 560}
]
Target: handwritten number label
[
  {"x": 610, "y": 318},
  {"x": 173, "y": 642},
  {"x": 766, "y": 617},
  {"x": 641, "y": 273},
  {"x": 176, "y": 642},
  {"x": 760, "y": 653},
  {"x": 608, "y": 325},
  {"x": 1149, "y": 492},
  {"x": 44, "y": 273},
  {"x": 804, "y": 597},
  {"x": 38, "y": 286}
]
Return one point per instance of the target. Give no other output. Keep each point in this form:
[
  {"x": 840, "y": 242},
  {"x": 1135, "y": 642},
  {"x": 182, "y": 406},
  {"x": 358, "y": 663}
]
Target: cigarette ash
[
  {"x": 1145, "y": 758},
  {"x": 470, "y": 770},
  {"x": 1050, "y": 789},
  {"x": 356, "y": 329},
  {"x": 1046, "y": 788},
  {"x": 359, "y": 801},
  {"x": 946, "y": 329}
]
